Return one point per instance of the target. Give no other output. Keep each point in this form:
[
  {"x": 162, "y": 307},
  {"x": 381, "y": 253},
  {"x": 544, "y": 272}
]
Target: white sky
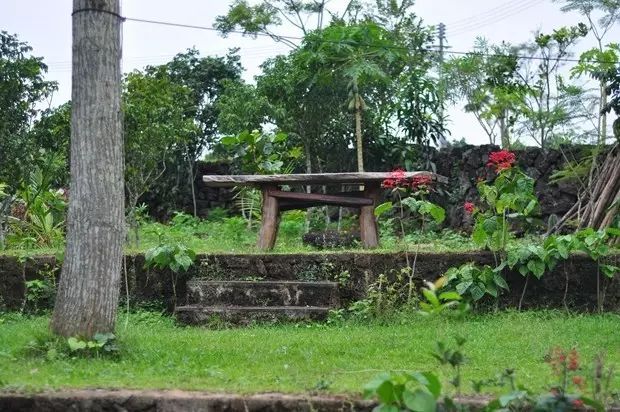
[{"x": 46, "y": 26}]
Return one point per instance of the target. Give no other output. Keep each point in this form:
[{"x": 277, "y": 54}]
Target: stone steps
[
  {"x": 242, "y": 302},
  {"x": 261, "y": 293},
  {"x": 204, "y": 315}
]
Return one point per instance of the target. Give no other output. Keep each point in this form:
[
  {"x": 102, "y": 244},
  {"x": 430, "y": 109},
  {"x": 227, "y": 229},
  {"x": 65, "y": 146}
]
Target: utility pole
[
  {"x": 441, "y": 34},
  {"x": 90, "y": 279}
]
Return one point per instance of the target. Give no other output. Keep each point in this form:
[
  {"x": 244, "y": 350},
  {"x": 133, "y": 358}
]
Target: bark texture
[{"x": 89, "y": 286}]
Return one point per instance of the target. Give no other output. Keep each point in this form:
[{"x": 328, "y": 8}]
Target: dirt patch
[
  {"x": 175, "y": 400},
  {"x": 99, "y": 400}
]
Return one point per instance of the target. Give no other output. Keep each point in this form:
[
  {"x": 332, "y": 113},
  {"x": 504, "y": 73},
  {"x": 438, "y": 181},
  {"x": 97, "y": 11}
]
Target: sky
[{"x": 46, "y": 26}]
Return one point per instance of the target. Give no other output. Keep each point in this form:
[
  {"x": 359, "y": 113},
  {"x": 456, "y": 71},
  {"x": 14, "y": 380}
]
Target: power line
[
  {"x": 495, "y": 10},
  {"x": 497, "y": 18},
  {"x": 276, "y": 36}
]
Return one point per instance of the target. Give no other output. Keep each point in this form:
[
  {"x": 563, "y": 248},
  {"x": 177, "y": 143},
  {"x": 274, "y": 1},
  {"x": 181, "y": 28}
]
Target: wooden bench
[{"x": 276, "y": 200}]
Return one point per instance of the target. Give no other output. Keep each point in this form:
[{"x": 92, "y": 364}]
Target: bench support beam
[
  {"x": 368, "y": 223},
  {"x": 270, "y": 219}
]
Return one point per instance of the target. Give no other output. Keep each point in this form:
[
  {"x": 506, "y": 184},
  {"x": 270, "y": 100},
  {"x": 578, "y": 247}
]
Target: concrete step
[
  {"x": 205, "y": 315},
  {"x": 261, "y": 293}
]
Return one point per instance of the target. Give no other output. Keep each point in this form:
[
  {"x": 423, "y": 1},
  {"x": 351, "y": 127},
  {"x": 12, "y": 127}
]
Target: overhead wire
[
  {"x": 501, "y": 8},
  {"x": 492, "y": 19},
  {"x": 209, "y": 28},
  {"x": 265, "y": 50}
]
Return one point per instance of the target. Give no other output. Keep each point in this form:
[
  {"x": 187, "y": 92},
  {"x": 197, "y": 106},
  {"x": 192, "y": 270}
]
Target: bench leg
[
  {"x": 368, "y": 223},
  {"x": 270, "y": 220}
]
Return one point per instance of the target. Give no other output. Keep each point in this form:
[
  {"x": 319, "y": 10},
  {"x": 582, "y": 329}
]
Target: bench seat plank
[{"x": 306, "y": 178}]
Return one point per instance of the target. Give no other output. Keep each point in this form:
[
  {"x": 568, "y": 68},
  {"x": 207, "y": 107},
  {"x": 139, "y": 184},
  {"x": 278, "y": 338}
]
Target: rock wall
[
  {"x": 463, "y": 165},
  {"x": 354, "y": 271}
]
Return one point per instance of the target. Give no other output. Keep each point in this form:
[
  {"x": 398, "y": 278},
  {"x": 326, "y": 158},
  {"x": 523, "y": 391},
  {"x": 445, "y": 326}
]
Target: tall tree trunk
[
  {"x": 358, "y": 134},
  {"x": 602, "y": 139},
  {"x": 90, "y": 280},
  {"x": 503, "y": 129}
]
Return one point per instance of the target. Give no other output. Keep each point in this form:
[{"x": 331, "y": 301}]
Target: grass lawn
[
  {"x": 232, "y": 236},
  {"x": 155, "y": 353}
]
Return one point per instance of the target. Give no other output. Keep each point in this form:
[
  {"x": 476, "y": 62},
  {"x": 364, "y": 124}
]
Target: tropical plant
[
  {"x": 508, "y": 200},
  {"x": 474, "y": 282},
  {"x": 438, "y": 301},
  {"x": 411, "y": 193},
  {"x": 38, "y": 211},
  {"x": 405, "y": 391}
]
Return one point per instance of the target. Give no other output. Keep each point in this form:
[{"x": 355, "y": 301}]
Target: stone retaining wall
[{"x": 355, "y": 271}]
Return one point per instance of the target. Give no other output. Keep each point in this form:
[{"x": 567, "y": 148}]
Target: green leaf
[
  {"x": 370, "y": 389},
  {"x": 612, "y": 231},
  {"x": 76, "y": 344},
  {"x": 530, "y": 207},
  {"x": 461, "y": 288},
  {"x": 490, "y": 225},
  {"x": 477, "y": 291},
  {"x": 383, "y": 208},
  {"x": 430, "y": 296},
  {"x": 479, "y": 236},
  {"x": 229, "y": 140},
  {"x": 434, "y": 384},
  {"x": 537, "y": 267},
  {"x": 450, "y": 296},
  {"x": 610, "y": 270},
  {"x": 420, "y": 401},
  {"x": 491, "y": 289},
  {"x": 500, "y": 281},
  {"x": 438, "y": 213},
  {"x": 385, "y": 392}
]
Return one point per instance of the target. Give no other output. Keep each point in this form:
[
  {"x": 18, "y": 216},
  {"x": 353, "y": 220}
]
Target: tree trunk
[
  {"x": 505, "y": 138},
  {"x": 90, "y": 280},
  {"x": 603, "y": 116},
  {"x": 358, "y": 135}
]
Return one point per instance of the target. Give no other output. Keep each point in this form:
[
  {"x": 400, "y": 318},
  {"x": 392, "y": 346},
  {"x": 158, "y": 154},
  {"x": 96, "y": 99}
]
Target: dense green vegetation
[{"x": 155, "y": 353}]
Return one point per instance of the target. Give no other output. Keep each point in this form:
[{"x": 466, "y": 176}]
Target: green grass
[
  {"x": 155, "y": 353},
  {"x": 232, "y": 235}
]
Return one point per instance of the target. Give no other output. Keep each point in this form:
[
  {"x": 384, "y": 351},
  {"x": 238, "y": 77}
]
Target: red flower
[
  {"x": 501, "y": 160},
  {"x": 557, "y": 360},
  {"x": 577, "y": 403},
  {"x": 573, "y": 360},
  {"x": 397, "y": 178},
  {"x": 469, "y": 207},
  {"x": 578, "y": 380},
  {"x": 421, "y": 180}
]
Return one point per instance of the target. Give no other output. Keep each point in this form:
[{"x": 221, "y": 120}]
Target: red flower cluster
[
  {"x": 577, "y": 403},
  {"x": 578, "y": 380},
  {"x": 469, "y": 207},
  {"x": 398, "y": 179},
  {"x": 501, "y": 160},
  {"x": 573, "y": 360},
  {"x": 561, "y": 360},
  {"x": 421, "y": 180}
]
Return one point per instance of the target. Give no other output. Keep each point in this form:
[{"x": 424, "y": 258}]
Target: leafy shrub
[
  {"x": 175, "y": 256},
  {"x": 474, "y": 282},
  {"x": 438, "y": 302}
]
